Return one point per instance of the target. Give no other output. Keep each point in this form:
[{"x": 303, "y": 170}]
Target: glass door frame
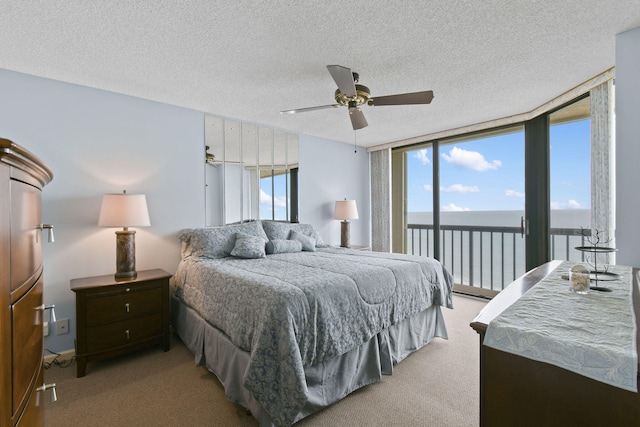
[
  {"x": 537, "y": 203},
  {"x": 537, "y": 223}
]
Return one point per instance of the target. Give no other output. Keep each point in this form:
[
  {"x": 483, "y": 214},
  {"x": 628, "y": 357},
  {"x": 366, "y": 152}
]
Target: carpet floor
[{"x": 436, "y": 386}]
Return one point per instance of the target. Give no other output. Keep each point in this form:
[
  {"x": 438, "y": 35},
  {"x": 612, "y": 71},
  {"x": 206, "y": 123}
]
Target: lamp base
[
  {"x": 344, "y": 234},
  {"x": 126, "y": 254},
  {"x": 123, "y": 277}
]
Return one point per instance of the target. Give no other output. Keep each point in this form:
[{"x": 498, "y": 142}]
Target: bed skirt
[{"x": 327, "y": 382}]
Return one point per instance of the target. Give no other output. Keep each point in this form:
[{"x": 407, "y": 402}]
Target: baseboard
[{"x": 62, "y": 356}]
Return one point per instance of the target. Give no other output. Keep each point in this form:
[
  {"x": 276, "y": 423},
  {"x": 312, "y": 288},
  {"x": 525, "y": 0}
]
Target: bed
[{"x": 290, "y": 325}]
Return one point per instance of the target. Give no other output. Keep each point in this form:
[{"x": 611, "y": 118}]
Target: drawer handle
[
  {"x": 126, "y": 306},
  {"x": 43, "y": 308},
  {"x": 45, "y": 387},
  {"x": 48, "y": 227},
  {"x": 127, "y": 333}
]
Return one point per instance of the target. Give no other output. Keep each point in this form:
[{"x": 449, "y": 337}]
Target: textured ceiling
[{"x": 250, "y": 59}]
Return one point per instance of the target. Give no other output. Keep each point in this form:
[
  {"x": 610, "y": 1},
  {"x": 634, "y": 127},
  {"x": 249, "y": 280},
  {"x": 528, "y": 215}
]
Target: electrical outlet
[
  {"x": 62, "y": 326},
  {"x": 45, "y": 329}
]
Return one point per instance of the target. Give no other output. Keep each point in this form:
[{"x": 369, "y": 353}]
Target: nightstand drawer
[
  {"x": 123, "y": 305},
  {"x": 123, "y": 333}
]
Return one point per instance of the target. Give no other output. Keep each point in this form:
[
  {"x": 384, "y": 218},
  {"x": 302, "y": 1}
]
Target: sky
[
  {"x": 488, "y": 173},
  {"x": 483, "y": 174}
]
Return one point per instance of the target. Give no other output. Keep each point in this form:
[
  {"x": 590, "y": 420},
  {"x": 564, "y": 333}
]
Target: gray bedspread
[{"x": 297, "y": 309}]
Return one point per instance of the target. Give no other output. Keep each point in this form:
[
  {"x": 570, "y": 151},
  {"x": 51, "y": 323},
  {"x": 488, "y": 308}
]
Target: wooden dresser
[
  {"x": 22, "y": 177},
  {"x": 115, "y": 317},
  {"x": 517, "y": 391}
]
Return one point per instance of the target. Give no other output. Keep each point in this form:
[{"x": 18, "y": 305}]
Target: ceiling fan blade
[
  {"x": 403, "y": 99},
  {"x": 357, "y": 118},
  {"x": 344, "y": 79},
  {"x": 303, "y": 110}
]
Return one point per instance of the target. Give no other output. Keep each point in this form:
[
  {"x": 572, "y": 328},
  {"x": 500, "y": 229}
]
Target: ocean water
[
  {"x": 560, "y": 218},
  {"x": 492, "y": 260}
]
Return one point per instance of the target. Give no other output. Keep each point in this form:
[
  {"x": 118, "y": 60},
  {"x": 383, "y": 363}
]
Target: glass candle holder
[{"x": 579, "y": 279}]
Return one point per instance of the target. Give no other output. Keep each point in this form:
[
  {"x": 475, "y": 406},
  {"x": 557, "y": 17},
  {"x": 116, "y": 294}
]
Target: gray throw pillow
[
  {"x": 248, "y": 246},
  {"x": 280, "y": 246},
  {"x": 308, "y": 243},
  {"x": 278, "y": 230},
  {"x": 216, "y": 242}
]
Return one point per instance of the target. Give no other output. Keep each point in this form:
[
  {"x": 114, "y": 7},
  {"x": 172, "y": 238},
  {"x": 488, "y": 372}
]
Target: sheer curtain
[
  {"x": 381, "y": 200},
  {"x": 602, "y": 164}
]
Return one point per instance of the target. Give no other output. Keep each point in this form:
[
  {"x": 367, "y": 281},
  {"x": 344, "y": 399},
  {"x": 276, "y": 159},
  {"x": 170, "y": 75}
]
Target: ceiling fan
[{"x": 353, "y": 95}]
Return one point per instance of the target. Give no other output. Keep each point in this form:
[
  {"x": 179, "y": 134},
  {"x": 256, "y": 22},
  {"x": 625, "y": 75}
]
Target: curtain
[
  {"x": 381, "y": 200},
  {"x": 602, "y": 165}
]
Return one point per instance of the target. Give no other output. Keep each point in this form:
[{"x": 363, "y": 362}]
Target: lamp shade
[
  {"x": 124, "y": 210},
  {"x": 345, "y": 209}
]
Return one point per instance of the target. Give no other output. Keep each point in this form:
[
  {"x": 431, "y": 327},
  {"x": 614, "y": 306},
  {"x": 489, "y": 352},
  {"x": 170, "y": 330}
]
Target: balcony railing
[{"x": 489, "y": 257}]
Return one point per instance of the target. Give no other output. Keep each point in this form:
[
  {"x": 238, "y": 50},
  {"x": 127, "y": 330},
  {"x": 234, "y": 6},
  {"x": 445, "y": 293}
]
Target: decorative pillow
[
  {"x": 277, "y": 230},
  {"x": 216, "y": 242},
  {"x": 248, "y": 246},
  {"x": 308, "y": 242},
  {"x": 279, "y": 246}
]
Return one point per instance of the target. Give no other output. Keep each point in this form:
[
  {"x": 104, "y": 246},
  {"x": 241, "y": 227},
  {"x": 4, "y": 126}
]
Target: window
[
  {"x": 476, "y": 183},
  {"x": 489, "y": 204},
  {"x": 570, "y": 177}
]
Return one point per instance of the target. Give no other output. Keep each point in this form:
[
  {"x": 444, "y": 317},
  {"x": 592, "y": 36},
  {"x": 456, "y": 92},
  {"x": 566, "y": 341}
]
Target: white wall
[
  {"x": 627, "y": 90},
  {"x": 332, "y": 171},
  {"x": 100, "y": 142}
]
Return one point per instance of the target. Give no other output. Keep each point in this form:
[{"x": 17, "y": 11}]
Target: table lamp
[
  {"x": 345, "y": 210},
  {"x": 124, "y": 210}
]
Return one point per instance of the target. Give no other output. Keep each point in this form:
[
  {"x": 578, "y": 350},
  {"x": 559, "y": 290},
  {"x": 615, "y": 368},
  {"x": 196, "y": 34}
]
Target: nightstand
[{"x": 117, "y": 317}]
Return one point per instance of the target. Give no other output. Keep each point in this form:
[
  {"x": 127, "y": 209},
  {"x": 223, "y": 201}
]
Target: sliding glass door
[
  {"x": 481, "y": 203},
  {"x": 464, "y": 198},
  {"x": 494, "y": 204},
  {"x": 418, "y": 232},
  {"x": 570, "y": 179}
]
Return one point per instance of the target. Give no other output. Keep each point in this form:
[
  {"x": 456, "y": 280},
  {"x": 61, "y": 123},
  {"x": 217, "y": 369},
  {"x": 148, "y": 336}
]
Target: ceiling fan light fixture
[
  {"x": 362, "y": 96},
  {"x": 352, "y": 95}
]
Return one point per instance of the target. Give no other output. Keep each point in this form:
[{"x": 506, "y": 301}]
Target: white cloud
[
  {"x": 571, "y": 204},
  {"x": 470, "y": 159},
  {"x": 513, "y": 193},
  {"x": 453, "y": 208},
  {"x": 427, "y": 187},
  {"x": 459, "y": 188},
  {"x": 266, "y": 199},
  {"x": 422, "y": 156}
]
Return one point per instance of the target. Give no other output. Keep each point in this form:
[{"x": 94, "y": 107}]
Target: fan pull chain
[{"x": 355, "y": 141}]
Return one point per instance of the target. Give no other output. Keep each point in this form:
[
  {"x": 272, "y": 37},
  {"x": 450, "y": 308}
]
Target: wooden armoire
[{"x": 22, "y": 388}]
